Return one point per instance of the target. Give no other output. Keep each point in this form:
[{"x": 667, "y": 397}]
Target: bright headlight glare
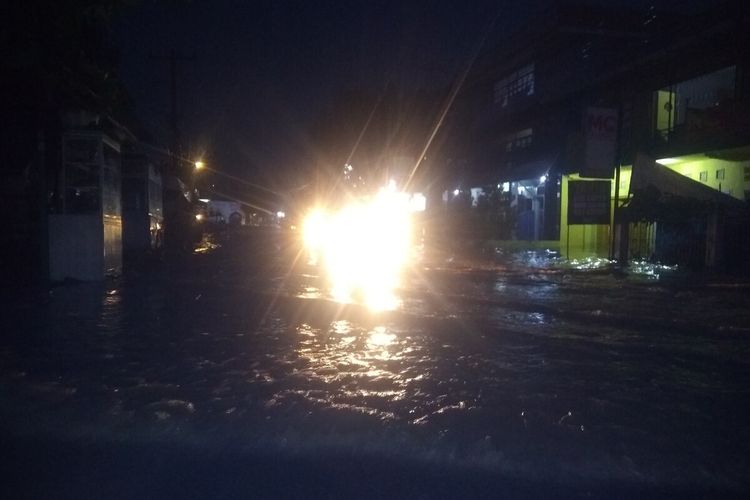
[
  {"x": 314, "y": 230},
  {"x": 363, "y": 247}
]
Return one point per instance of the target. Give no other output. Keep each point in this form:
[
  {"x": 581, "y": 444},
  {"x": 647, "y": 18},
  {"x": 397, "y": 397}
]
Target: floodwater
[{"x": 519, "y": 365}]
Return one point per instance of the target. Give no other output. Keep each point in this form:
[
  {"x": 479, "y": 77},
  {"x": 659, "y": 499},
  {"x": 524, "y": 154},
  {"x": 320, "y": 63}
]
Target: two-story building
[
  {"x": 526, "y": 97},
  {"x": 686, "y": 107},
  {"x": 560, "y": 106}
]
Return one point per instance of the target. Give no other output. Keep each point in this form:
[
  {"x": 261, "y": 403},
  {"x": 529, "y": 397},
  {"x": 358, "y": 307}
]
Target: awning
[{"x": 649, "y": 176}]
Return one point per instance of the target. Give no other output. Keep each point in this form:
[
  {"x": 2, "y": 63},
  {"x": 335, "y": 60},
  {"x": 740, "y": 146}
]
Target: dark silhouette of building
[{"x": 585, "y": 90}]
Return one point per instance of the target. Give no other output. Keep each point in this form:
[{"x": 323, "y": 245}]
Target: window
[
  {"x": 704, "y": 176},
  {"x": 692, "y": 103},
  {"x": 517, "y": 84},
  {"x": 520, "y": 140},
  {"x": 720, "y": 174},
  {"x": 747, "y": 173}
]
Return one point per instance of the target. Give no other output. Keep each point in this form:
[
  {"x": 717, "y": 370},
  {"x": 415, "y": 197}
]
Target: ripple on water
[{"x": 525, "y": 371}]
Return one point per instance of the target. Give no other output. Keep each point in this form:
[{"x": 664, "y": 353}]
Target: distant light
[
  {"x": 199, "y": 165},
  {"x": 203, "y": 200},
  {"x": 543, "y": 179},
  {"x": 506, "y": 187},
  {"x": 476, "y": 194},
  {"x": 199, "y": 217},
  {"x": 456, "y": 192},
  {"x": 418, "y": 202},
  {"x": 668, "y": 161},
  {"x": 280, "y": 214}
]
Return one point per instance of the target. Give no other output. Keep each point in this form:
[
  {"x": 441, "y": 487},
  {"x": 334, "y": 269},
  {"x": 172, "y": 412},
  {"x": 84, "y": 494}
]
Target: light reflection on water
[
  {"x": 342, "y": 326},
  {"x": 380, "y": 337},
  {"x": 376, "y": 299},
  {"x": 523, "y": 366},
  {"x": 311, "y": 292},
  {"x": 354, "y": 364}
]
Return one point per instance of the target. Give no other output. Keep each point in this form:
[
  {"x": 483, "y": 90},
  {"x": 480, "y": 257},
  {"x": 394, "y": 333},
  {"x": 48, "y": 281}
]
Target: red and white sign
[{"x": 600, "y": 133}]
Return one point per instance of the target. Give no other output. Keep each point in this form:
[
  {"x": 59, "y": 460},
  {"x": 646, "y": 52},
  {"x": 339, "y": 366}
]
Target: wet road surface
[{"x": 234, "y": 372}]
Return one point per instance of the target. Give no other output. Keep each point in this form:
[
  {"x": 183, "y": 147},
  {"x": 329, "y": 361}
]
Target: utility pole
[
  {"x": 173, "y": 58},
  {"x": 180, "y": 226}
]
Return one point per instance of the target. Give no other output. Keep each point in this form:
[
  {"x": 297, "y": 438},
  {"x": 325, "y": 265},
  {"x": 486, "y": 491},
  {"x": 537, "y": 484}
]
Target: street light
[{"x": 199, "y": 165}]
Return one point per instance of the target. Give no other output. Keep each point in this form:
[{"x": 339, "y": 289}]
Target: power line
[
  {"x": 244, "y": 202},
  {"x": 178, "y": 157}
]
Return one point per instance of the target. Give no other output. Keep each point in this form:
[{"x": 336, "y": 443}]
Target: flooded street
[{"x": 518, "y": 367}]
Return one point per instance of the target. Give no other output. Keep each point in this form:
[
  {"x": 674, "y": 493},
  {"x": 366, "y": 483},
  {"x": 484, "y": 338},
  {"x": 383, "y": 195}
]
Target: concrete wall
[{"x": 76, "y": 243}]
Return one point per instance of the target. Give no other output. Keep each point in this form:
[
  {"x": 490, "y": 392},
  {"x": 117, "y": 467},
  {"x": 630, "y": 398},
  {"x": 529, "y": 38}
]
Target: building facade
[
  {"x": 560, "y": 113},
  {"x": 85, "y": 232}
]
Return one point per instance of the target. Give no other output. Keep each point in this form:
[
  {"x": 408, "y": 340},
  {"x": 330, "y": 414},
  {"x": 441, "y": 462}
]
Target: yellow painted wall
[
  {"x": 626, "y": 172},
  {"x": 584, "y": 240},
  {"x": 581, "y": 241},
  {"x": 664, "y": 116},
  {"x": 733, "y": 182}
]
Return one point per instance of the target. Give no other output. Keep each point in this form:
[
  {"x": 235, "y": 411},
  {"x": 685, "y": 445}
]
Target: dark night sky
[{"x": 264, "y": 70}]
